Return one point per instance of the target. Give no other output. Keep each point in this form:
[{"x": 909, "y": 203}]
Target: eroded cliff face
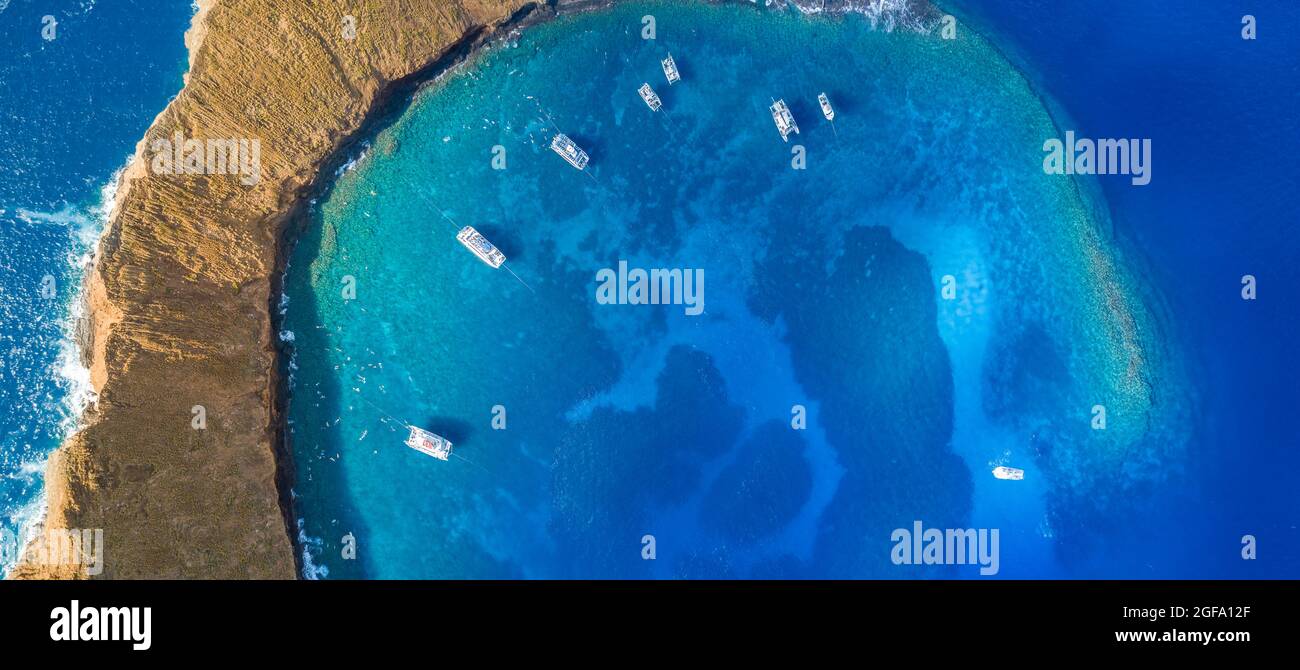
[{"x": 180, "y": 293}]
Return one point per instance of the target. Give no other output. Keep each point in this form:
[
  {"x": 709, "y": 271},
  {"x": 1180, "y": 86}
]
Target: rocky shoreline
[
  {"x": 183, "y": 460},
  {"x": 180, "y": 461}
]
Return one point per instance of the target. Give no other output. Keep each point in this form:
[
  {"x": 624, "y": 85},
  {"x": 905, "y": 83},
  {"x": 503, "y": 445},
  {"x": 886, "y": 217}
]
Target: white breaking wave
[
  {"x": 74, "y": 376},
  {"x": 887, "y": 15},
  {"x": 81, "y": 224},
  {"x": 28, "y": 470},
  {"x": 309, "y": 568},
  {"x": 71, "y": 376},
  {"x": 29, "y": 519},
  {"x": 353, "y": 161}
]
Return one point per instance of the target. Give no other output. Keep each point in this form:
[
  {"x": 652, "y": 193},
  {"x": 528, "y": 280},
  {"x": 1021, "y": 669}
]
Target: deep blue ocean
[
  {"x": 1224, "y": 113},
  {"x": 71, "y": 111},
  {"x": 823, "y": 290}
]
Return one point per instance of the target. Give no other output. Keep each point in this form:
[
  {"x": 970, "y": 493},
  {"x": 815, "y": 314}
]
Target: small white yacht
[
  {"x": 425, "y": 442},
  {"x": 784, "y": 120},
  {"x": 827, "y": 110},
  {"x": 670, "y": 70},
  {"x": 569, "y": 151},
  {"x": 485, "y": 250},
  {"x": 1003, "y": 472},
  {"x": 651, "y": 98}
]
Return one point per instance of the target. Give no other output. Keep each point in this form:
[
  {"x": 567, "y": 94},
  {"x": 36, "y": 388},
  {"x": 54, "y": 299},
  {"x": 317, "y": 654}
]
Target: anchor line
[
  {"x": 379, "y": 409},
  {"x": 440, "y": 211},
  {"x": 521, "y": 281},
  {"x": 471, "y": 462},
  {"x": 589, "y": 173},
  {"x": 556, "y": 127},
  {"x": 457, "y": 227},
  {"x": 551, "y": 120},
  {"x": 406, "y": 424},
  {"x": 672, "y": 127},
  {"x": 545, "y": 113}
]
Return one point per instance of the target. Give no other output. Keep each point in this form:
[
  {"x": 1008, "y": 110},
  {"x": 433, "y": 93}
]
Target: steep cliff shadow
[
  {"x": 304, "y": 454},
  {"x": 313, "y": 441}
]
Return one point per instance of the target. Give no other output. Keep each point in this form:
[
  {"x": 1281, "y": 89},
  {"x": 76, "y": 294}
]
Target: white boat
[
  {"x": 561, "y": 144},
  {"x": 425, "y": 442},
  {"x": 784, "y": 120},
  {"x": 670, "y": 70},
  {"x": 827, "y": 111},
  {"x": 1003, "y": 472},
  {"x": 651, "y": 98},
  {"x": 485, "y": 250}
]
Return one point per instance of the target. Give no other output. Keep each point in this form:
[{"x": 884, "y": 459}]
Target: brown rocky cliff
[{"x": 180, "y": 292}]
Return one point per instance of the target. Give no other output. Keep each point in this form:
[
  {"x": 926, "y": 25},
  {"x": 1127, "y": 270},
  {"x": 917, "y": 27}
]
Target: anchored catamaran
[
  {"x": 485, "y": 250},
  {"x": 561, "y": 144},
  {"x": 827, "y": 111},
  {"x": 1003, "y": 472},
  {"x": 784, "y": 120},
  {"x": 425, "y": 442},
  {"x": 651, "y": 98},
  {"x": 670, "y": 70}
]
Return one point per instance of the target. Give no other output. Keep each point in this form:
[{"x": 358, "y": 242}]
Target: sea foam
[{"x": 72, "y": 377}]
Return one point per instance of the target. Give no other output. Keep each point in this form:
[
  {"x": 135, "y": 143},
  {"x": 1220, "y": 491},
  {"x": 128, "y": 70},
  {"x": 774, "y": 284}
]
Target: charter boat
[
  {"x": 1003, "y": 472},
  {"x": 784, "y": 120},
  {"x": 561, "y": 144},
  {"x": 425, "y": 442},
  {"x": 670, "y": 70},
  {"x": 827, "y": 110},
  {"x": 485, "y": 250},
  {"x": 651, "y": 98}
]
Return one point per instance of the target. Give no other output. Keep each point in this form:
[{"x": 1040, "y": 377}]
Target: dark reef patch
[
  {"x": 885, "y": 391},
  {"x": 763, "y": 489},
  {"x": 1025, "y": 373},
  {"x": 614, "y": 469}
]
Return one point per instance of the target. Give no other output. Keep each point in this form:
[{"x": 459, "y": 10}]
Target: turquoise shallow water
[{"x": 822, "y": 290}]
